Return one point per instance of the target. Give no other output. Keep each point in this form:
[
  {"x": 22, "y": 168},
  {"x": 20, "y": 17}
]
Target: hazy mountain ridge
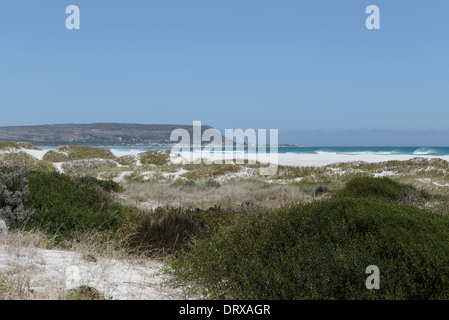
[{"x": 94, "y": 134}]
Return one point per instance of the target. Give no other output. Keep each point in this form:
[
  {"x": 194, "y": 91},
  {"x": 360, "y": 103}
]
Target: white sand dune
[
  {"x": 38, "y": 154},
  {"x": 45, "y": 272}
]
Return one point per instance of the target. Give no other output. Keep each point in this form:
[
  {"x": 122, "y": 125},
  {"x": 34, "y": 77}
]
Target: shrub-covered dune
[
  {"x": 22, "y": 159},
  {"x": 321, "y": 250},
  {"x": 69, "y": 153},
  {"x": 9, "y": 145},
  {"x": 298, "y": 249},
  {"x": 155, "y": 157},
  {"x": 57, "y": 204}
]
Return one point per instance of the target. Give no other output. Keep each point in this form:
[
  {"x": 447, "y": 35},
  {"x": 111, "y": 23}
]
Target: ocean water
[
  {"x": 418, "y": 151},
  {"x": 434, "y": 151}
]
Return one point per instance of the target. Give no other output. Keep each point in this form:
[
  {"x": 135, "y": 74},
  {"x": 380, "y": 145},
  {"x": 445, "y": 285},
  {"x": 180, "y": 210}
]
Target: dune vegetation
[
  {"x": 320, "y": 249},
  {"x": 223, "y": 231},
  {"x": 70, "y": 153}
]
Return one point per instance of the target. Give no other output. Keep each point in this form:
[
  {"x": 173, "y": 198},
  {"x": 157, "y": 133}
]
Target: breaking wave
[{"x": 424, "y": 151}]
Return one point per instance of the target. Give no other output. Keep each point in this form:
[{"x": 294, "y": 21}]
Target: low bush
[
  {"x": 166, "y": 231},
  {"x": 320, "y": 190},
  {"x": 70, "y": 153},
  {"x": 382, "y": 188},
  {"x": 54, "y": 156},
  {"x": 106, "y": 185},
  {"x": 83, "y": 293},
  {"x": 321, "y": 250},
  {"x": 156, "y": 157},
  {"x": 65, "y": 207},
  {"x": 9, "y": 145}
]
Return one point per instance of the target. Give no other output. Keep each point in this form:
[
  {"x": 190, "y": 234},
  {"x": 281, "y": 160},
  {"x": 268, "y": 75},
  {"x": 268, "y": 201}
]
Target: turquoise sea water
[
  {"x": 433, "y": 151},
  {"x": 436, "y": 151}
]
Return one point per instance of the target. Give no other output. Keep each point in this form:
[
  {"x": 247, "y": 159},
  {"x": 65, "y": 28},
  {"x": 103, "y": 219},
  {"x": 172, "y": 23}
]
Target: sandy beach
[
  {"x": 326, "y": 159},
  {"x": 287, "y": 159},
  {"x": 305, "y": 160}
]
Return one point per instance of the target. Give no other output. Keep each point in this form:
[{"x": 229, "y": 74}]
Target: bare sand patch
[{"x": 44, "y": 272}]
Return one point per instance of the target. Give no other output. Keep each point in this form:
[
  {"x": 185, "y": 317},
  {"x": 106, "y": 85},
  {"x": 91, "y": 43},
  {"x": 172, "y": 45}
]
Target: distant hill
[{"x": 112, "y": 134}]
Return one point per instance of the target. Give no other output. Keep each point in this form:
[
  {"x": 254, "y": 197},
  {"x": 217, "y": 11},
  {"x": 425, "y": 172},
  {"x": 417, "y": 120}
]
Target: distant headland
[{"x": 95, "y": 134}]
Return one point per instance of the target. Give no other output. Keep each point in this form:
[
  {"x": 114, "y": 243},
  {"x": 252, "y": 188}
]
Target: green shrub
[
  {"x": 54, "y": 156},
  {"x": 83, "y": 293},
  {"x": 320, "y": 250},
  {"x": 70, "y": 153},
  {"x": 65, "y": 207},
  {"x": 320, "y": 190},
  {"x": 384, "y": 188},
  {"x": 106, "y": 185},
  {"x": 156, "y": 157},
  {"x": 167, "y": 231}
]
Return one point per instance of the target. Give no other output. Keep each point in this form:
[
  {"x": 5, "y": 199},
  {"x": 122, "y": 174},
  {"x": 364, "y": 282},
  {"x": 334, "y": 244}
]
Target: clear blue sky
[{"x": 285, "y": 64}]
